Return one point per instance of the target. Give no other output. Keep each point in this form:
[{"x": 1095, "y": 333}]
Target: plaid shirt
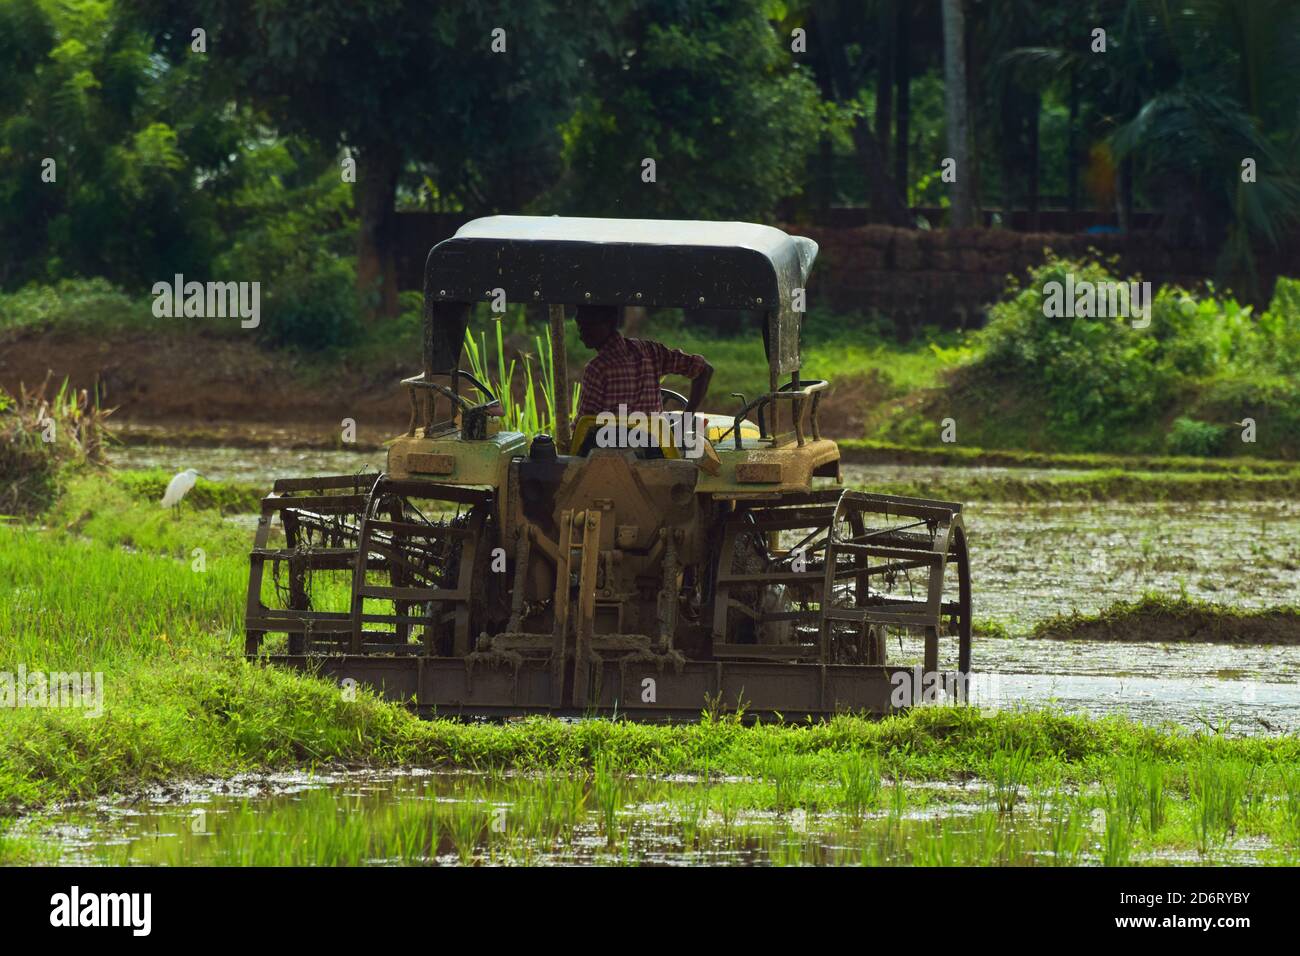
[{"x": 627, "y": 372}]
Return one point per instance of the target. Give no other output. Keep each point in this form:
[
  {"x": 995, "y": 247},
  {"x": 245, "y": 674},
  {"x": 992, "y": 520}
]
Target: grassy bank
[
  {"x": 115, "y": 584},
  {"x": 1202, "y": 375},
  {"x": 865, "y": 451},
  {"x": 954, "y": 484},
  {"x": 1155, "y": 617}
]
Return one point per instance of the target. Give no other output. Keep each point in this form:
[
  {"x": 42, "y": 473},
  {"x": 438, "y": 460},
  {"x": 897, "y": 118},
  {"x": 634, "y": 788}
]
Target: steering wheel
[
  {"x": 668, "y": 395},
  {"x": 465, "y": 404}
]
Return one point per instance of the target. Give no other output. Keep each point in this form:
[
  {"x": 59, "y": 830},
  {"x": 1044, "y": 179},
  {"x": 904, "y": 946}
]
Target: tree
[
  {"x": 1182, "y": 94},
  {"x": 713, "y": 97},
  {"x": 1226, "y": 92},
  {"x": 956, "y": 111},
  {"x": 841, "y": 38},
  {"x": 462, "y": 86},
  {"x": 100, "y": 151}
]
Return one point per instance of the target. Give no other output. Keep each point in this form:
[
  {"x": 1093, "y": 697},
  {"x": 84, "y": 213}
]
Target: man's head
[{"x": 596, "y": 323}]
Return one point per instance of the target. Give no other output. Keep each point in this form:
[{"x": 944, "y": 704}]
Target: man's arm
[
  {"x": 699, "y": 386},
  {"x": 694, "y": 367}
]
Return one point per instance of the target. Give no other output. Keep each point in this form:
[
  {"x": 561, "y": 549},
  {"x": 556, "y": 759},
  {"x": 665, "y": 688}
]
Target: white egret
[{"x": 179, "y": 487}]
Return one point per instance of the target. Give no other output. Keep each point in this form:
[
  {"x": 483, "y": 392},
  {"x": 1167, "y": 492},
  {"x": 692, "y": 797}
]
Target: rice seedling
[
  {"x": 561, "y": 804},
  {"x": 464, "y": 821},
  {"x": 935, "y": 845},
  {"x": 894, "y": 818},
  {"x": 897, "y": 799},
  {"x": 1043, "y": 787},
  {"x": 607, "y": 789},
  {"x": 1217, "y": 786},
  {"x": 1156, "y": 805},
  {"x": 691, "y": 812},
  {"x": 1008, "y": 770},
  {"x": 859, "y": 779},
  {"x": 991, "y": 837},
  {"x": 534, "y": 410},
  {"x": 728, "y": 809},
  {"x": 1116, "y": 843},
  {"x": 784, "y": 771},
  {"x": 1125, "y": 789},
  {"x": 1289, "y": 778},
  {"x": 1066, "y": 830}
]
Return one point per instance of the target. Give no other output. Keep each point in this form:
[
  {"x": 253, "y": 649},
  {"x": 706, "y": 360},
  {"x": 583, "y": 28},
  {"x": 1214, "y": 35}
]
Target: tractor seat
[
  {"x": 720, "y": 423},
  {"x": 586, "y": 431}
]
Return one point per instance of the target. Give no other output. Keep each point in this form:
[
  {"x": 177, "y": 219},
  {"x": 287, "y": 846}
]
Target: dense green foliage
[
  {"x": 666, "y": 97},
  {"x": 75, "y": 305},
  {"x": 1082, "y": 383},
  {"x": 167, "y": 147},
  {"x": 140, "y": 159}
]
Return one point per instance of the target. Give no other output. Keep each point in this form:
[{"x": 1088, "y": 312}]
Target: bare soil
[
  {"x": 197, "y": 383},
  {"x": 209, "y": 390}
]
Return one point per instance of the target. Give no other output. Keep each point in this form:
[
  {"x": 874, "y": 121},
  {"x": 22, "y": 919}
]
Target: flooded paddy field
[
  {"x": 249, "y": 465},
  {"x": 777, "y": 817},
  {"x": 1037, "y": 560}
]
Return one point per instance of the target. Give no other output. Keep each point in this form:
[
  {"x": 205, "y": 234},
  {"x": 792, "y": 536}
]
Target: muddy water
[
  {"x": 446, "y": 818},
  {"x": 253, "y": 465},
  {"x": 1040, "y": 559},
  {"x": 1034, "y": 561}
]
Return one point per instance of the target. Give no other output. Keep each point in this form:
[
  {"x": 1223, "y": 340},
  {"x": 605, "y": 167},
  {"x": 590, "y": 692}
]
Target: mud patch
[
  {"x": 1155, "y": 620},
  {"x": 195, "y": 381},
  {"x": 850, "y": 401}
]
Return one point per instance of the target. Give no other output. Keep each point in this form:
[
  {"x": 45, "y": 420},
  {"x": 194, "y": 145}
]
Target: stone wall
[
  {"x": 947, "y": 277},
  {"x": 944, "y": 277}
]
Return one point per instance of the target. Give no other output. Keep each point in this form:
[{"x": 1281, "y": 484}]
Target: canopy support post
[{"x": 560, "y": 366}]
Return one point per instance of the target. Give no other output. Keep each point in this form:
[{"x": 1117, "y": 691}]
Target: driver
[{"x": 627, "y": 371}]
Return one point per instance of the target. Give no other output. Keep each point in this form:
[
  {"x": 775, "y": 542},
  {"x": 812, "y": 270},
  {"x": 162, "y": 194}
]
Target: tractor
[{"x": 487, "y": 573}]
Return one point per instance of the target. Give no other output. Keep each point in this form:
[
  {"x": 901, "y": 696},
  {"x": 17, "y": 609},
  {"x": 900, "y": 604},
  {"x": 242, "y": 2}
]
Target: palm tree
[
  {"x": 1232, "y": 95},
  {"x": 844, "y": 77},
  {"x": 1183, "y": 94},
  {"x": 957, "y": 115}
]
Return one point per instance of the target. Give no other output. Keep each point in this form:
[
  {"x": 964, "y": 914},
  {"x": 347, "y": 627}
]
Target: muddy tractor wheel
[
  {"x": 832, "y": 576},
  {"x": 366, "y": 564}
]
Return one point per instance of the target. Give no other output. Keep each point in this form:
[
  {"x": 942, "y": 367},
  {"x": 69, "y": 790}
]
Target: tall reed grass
[
  {"x": 40, "y": 436},
  {"x": 529, "y": 407}
]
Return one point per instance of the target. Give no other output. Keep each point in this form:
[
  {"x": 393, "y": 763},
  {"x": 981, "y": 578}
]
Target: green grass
[
  {"x": 149, "y": 485},
  {"x": 834, "y": 347},
  {"x": 124, "y": 510}
]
